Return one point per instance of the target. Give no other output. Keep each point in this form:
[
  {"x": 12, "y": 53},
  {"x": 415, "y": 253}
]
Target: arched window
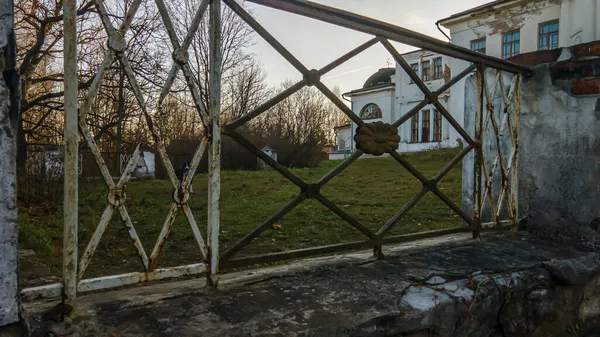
[{"x": 370, "y": 111}]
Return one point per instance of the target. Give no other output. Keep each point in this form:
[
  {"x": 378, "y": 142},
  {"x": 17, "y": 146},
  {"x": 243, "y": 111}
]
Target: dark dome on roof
[{"x": 383, "y": 76}]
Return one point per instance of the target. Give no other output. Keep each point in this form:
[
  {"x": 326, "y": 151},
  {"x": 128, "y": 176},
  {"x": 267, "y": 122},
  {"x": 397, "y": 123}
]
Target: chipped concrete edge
[{"x": 9, "y": 91}]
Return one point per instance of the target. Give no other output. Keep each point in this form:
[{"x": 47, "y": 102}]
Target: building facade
[
  {"x": 507, "y": 28},
  {"x": 502, "y": 28}
]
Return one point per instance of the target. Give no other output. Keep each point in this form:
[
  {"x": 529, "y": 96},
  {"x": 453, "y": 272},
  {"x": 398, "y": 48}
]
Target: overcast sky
[{"x": 316, "y": 43}]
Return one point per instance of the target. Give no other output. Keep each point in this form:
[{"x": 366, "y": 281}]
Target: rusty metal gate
[{"x": 483, "y": 174}]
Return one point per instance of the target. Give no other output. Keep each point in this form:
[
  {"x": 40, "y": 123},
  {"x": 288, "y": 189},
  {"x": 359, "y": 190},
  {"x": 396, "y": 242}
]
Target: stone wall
[
  {"x": 9, "y": 298},
  {"x": 559, "y": 143}
]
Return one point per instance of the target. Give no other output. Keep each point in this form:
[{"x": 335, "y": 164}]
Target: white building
[
  {"x": 502, "y": 28},
  {"x": 389, "y": 94},
  {"x": 506, "y": 28}
]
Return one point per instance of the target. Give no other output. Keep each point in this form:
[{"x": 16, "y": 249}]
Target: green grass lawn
[{"x": 371, "y": 190}]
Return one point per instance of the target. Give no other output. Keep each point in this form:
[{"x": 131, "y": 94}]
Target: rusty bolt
[
  {"x": 181, "y": 195},
  {"x": 116, "y": 197},
  {"x": 181, "y": 56},
  {"x": 117, "y": 43}
]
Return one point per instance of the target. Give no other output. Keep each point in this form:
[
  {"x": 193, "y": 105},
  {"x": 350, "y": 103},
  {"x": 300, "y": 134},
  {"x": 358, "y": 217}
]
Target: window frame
[
  {"x": 484, "y": 40},
  {"x": 425, "y": 126},
  {"x": 365, "y": 108},
  {"x": 414, "y": 128},
  {"x": 437, "y": 126},
  {"x": 426, "y": 73},
  {"x": 438, "y": 74},
  {"x": 557, "y": 21},
  {"x": 415, "y": 70},
  {"x": 512, "y": 43}
]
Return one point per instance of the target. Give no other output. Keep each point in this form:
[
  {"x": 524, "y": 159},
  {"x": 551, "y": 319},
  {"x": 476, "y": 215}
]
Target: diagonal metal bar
[
  {"x": 164, "y": 91},
  {"x": 166, "y": 18},
  {"x": 141, "y": 101},
  {"x": 416, "y": 198},
  {"x": 348, "y": 56},
  {"x": 267, "y": 105},
  {"x": 95, "y": 240},
  {"x": 108, "y": 26},
  {"x": 260, "y": 30},
  {"x": 428, "y": 94},
  {"x": 164, "y": 233},
  {"x": 407, "y": 207},
  {"x": 109, "y": 58},
  {"x": 135, "y": 5},
  {"x": 338, "y": 169},
  {"x": 408, "y": 166},
  {"x": 85, "y": 132},
  {"x": 244, "y": 241},
  {"x": 187, "y": 180},
  {"x": 454, "y": 207},
  {"x": 379, "y": 28},
  {"x": 198, "y": 102},
  {"x": 133, "y": 235},
  {"x": 195, "y": 230},
  {"x": 347, "y": 217},
  {"x": 339, "y": 104},
  {"x": 187, "y": 41},
  {"x": 267, "y": 159},
  {"x": 452, "y": 163}
]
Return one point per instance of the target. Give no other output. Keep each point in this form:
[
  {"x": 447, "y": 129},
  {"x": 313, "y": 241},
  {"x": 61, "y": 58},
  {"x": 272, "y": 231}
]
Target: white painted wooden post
[
  {"x": 71, "y": 153},
  {"x": 9, "y": 116},
  {"x": 214, "y": 187}
]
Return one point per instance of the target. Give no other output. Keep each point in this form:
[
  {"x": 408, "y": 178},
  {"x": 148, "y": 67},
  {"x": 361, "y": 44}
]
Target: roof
[
  {"x": 342, "y": 126},
  {"x": 382, "y": 76},
  {"x": 361, "y": 90},
  {"x": 475, "y": 10}
]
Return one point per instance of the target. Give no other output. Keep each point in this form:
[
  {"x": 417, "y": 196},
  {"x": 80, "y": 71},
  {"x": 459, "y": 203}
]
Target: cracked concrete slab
[{"x": 472, "y": 289}]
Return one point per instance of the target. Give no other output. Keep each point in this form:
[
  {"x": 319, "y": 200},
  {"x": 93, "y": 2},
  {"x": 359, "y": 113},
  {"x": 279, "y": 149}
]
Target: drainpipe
[
  {"x": 437, "y": 24},
  {"x": 351, "y": 124}
]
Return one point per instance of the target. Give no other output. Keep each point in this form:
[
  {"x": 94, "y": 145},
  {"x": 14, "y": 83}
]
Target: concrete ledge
[{"x": 507, "y": 285}]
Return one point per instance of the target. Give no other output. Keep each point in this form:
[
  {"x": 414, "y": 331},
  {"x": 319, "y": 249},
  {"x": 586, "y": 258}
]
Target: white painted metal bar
[
  {"x": 71, "y": 153},
  {"x": 53, "y": 291},
  {"x": 195, "y": 230},
  {"x": 164, "y": 233},
  {"x": 133, "y": 235},
  {"x": 214, "y": 181},
  {"x": 95, "y": 240}
]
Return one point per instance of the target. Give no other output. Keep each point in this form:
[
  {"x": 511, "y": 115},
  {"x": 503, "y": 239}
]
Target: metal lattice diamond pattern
[
  {"x": 507, "y": 166},
  {"x": 308, "y": 191},
  {"x": 116, "y": 195}
]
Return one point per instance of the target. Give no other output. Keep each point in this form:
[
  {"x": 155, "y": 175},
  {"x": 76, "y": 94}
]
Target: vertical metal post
[
  {"x": 71, "y": 153},
  {"x": 477, "y": 171},
  {"x": 214, "y": 187},
  {"x": 514, "y": 170}
]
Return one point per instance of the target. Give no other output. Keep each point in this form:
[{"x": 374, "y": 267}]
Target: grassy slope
[{"x": 371, "y": 190}]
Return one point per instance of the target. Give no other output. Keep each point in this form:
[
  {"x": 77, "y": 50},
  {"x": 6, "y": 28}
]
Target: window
[
  {"x": 548, "y": 35},
  {"x": 478, "y": 45},
  {"x": 438, "y": 71},
  {"x": 425, "y": 127},
  {"x": 414, "y": 127},
  {"x": 415, "y": 68},
  {"x": 341, "y": 143},
  {"x": 426, "y": 75},
  {"x": 370, "y": 111},
  {"x": 511, "y": 44},
  {"x": 437, "y": 126}
]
